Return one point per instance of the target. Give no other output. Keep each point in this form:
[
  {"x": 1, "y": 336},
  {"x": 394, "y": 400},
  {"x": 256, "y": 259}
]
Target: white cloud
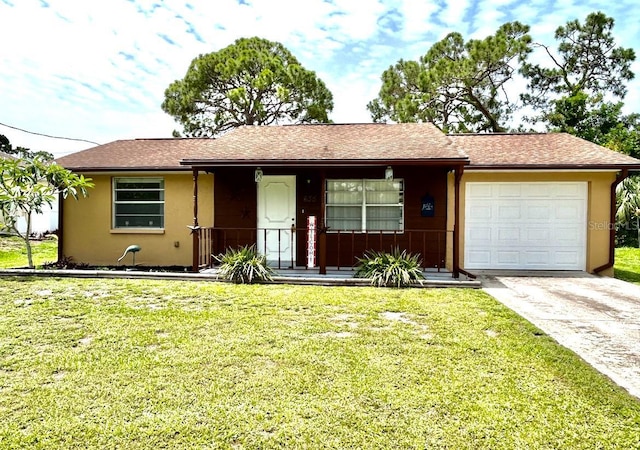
[{"x": 418, "y": 19}]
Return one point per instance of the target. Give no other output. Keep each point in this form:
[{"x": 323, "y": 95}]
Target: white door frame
[{"x": 274, "y": 221}]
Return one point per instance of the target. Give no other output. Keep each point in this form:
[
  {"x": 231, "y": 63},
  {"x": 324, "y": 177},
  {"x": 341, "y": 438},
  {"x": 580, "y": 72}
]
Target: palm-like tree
[{"x": 628, "y": 201}]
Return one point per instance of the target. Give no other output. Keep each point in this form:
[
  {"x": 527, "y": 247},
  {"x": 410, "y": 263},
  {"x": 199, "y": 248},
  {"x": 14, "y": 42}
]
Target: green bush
[
  {"x": 244, "y": 265},
  {"x": 395, "y": 269}
]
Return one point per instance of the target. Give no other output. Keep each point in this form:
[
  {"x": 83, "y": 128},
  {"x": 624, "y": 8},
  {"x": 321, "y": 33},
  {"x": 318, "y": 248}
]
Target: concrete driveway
[{"x": 596, "y": 317}]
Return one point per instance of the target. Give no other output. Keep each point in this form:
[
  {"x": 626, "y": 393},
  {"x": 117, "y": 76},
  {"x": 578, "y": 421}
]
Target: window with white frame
[
  {"x": 138, "y": 203},
  {"x": 365, "y": 205}
]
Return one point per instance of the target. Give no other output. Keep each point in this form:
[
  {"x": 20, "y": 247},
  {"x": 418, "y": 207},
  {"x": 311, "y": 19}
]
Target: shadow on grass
[{"x": 627, "y": 275}]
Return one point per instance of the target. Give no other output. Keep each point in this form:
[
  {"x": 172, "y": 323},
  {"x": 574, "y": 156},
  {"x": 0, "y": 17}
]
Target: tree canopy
[
  {"x": 457, "y": 85},
  {"x": 21, "y": 152},
  {"x": 580, "y": 90},
  {"x": 587, "y": 62},
  {"x": 254, "y": 82}
]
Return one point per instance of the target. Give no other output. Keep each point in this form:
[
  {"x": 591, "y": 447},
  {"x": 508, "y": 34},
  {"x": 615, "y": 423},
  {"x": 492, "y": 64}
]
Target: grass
[
  {"x": 13, "y": 253},
  {"x": 627, "y": 265},
  {"x": 152, "y": 364}
]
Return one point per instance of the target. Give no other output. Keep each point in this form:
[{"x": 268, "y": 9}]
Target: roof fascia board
[
  {"x": 583, "y": 170},
  {"x": 124, "y": 170},
  {"x": 324, "y": 163},
  {"x": 555, "y": 168}
]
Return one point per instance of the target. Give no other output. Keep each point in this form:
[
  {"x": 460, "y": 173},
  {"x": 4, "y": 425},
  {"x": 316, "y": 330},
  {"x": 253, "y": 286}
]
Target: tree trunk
[{"x": 27, "y": 242}]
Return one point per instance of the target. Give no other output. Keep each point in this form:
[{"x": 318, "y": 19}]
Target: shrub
[
  {"x": 67, "y": 262},
  {"x": 244, "y": 265},
  {"x": 395, "y": 269}
]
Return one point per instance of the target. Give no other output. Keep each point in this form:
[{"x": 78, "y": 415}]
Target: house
[
  {"x": 322, "y": 195},
  {"x": 40, "y": 223}
]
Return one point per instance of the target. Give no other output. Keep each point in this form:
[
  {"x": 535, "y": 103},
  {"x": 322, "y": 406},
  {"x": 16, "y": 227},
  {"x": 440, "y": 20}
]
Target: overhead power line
[{"x": 48, "y": 135}]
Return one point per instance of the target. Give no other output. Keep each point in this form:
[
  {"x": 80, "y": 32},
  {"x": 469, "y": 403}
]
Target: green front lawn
[
  {"x": 13, "y": 252},
  {"x": 627, "y": 265},
  {"x": 153, "y": 364}
]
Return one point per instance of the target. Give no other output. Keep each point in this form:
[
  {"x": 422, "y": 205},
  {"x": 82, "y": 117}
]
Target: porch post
[
  {"x": 322, "y": 227},
  {"x": 195, "y": 229},
  {"x": 456, "y": 223}
]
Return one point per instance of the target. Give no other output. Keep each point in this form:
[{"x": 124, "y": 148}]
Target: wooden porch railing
[{"x": 342, "y": 247}]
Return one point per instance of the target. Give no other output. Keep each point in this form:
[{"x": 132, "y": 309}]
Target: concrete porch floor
[{"x": 344, "y": 277}]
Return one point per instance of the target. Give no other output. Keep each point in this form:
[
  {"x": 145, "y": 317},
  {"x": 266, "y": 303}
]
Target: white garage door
[{"x": 533, "y": 226}]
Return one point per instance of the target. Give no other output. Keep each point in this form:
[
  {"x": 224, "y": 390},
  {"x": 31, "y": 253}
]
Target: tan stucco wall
[
  {"x": 598, "y": 208},
  {"x": 89, "y": 238}
]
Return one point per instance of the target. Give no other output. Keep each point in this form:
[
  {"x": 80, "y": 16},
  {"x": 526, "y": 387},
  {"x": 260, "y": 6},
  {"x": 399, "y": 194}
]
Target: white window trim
[
  {"x": 364, "y": 206},
  {"x": 114, "y": 202}
]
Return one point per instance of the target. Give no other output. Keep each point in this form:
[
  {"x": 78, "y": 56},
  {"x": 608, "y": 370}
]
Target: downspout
[
  {"x": 60, "y": 227},
  {"x": 612, "y": 220}
]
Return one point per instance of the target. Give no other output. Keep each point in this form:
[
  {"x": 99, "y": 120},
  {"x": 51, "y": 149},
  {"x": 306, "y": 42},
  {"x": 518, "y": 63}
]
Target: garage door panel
[
  {"x": 507, "y": 190},
  {"x": 479, "y": 257},
  {"x": 537, "y": 212},
  {"x": 478, "y": 191},
  {"x": 537, "y": 235},
  {"x": 526, "y": 225},
  {"x": 536, "y": 190},
  {"x": 509, "y": 212},
  {"x": 571, "y": 210},
  {"x": 507, "y": 235},
  {"x": 481, "y": 235},
  {"x": 567, "y": 258},
  {"x": 507, "y": 257},
  {"x": 572, "y": 236},
  {"x": 480, "y": 213},
  {"x": 536, "y": 257}
]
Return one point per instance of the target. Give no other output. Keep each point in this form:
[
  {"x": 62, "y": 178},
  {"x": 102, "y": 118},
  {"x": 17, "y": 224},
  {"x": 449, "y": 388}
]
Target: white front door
[
  {"x": 276, "y": 216},
  {"x": 520, "y": 225}
]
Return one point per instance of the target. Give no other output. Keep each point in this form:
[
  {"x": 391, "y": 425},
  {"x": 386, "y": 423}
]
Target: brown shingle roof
[
  {"x": 349, "y": 143},
  {"x": 541, "y": 150},
  {"x": 134, "y": 154},
  {"x": 331, "y": 143},
  {"x": 278, "y": 144}
]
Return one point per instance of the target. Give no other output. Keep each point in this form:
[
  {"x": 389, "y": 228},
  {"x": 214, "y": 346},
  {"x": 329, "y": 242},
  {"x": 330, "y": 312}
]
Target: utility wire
[{"x": 48, "y": 135}]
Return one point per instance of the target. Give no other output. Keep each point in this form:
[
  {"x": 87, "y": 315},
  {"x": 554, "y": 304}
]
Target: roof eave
[
  {"x": 322, "y": 162},
  {"x": 127, "y": 169},
  {"x": 631, "y": 167}
]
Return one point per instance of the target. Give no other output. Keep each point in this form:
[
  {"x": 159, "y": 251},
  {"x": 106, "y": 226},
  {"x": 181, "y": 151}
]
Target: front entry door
[{"x": 276, "y": 216}]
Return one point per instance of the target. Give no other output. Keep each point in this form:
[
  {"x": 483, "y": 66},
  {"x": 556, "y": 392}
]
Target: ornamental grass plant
[
  {"x": 244, "y": 265},
  {"x": 395, "y": 269}
]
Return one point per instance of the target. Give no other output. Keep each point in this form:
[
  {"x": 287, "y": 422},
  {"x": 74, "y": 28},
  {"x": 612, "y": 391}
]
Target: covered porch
[{"x": 320, "y": 220}]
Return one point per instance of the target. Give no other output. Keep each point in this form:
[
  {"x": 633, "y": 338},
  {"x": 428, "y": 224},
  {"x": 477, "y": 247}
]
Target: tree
[
  {"x": 628, "y": 212},
  {"x": 458, "y": 86},
  {"x": 27, "y": 185},
  {"x": 254, "y": 82},
  {"x": 587, "y": 67},
  {"x": 624, "y": 137},
  {"x": 21, "y": 152}
]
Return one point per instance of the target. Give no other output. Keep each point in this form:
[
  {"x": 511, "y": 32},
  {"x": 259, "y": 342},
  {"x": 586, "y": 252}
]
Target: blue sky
[{"x": 97, "y": 70}]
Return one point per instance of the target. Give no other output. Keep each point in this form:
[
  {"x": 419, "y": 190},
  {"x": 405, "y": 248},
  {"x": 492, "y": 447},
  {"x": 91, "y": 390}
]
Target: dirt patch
[{"x": 86, "y": 340}]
